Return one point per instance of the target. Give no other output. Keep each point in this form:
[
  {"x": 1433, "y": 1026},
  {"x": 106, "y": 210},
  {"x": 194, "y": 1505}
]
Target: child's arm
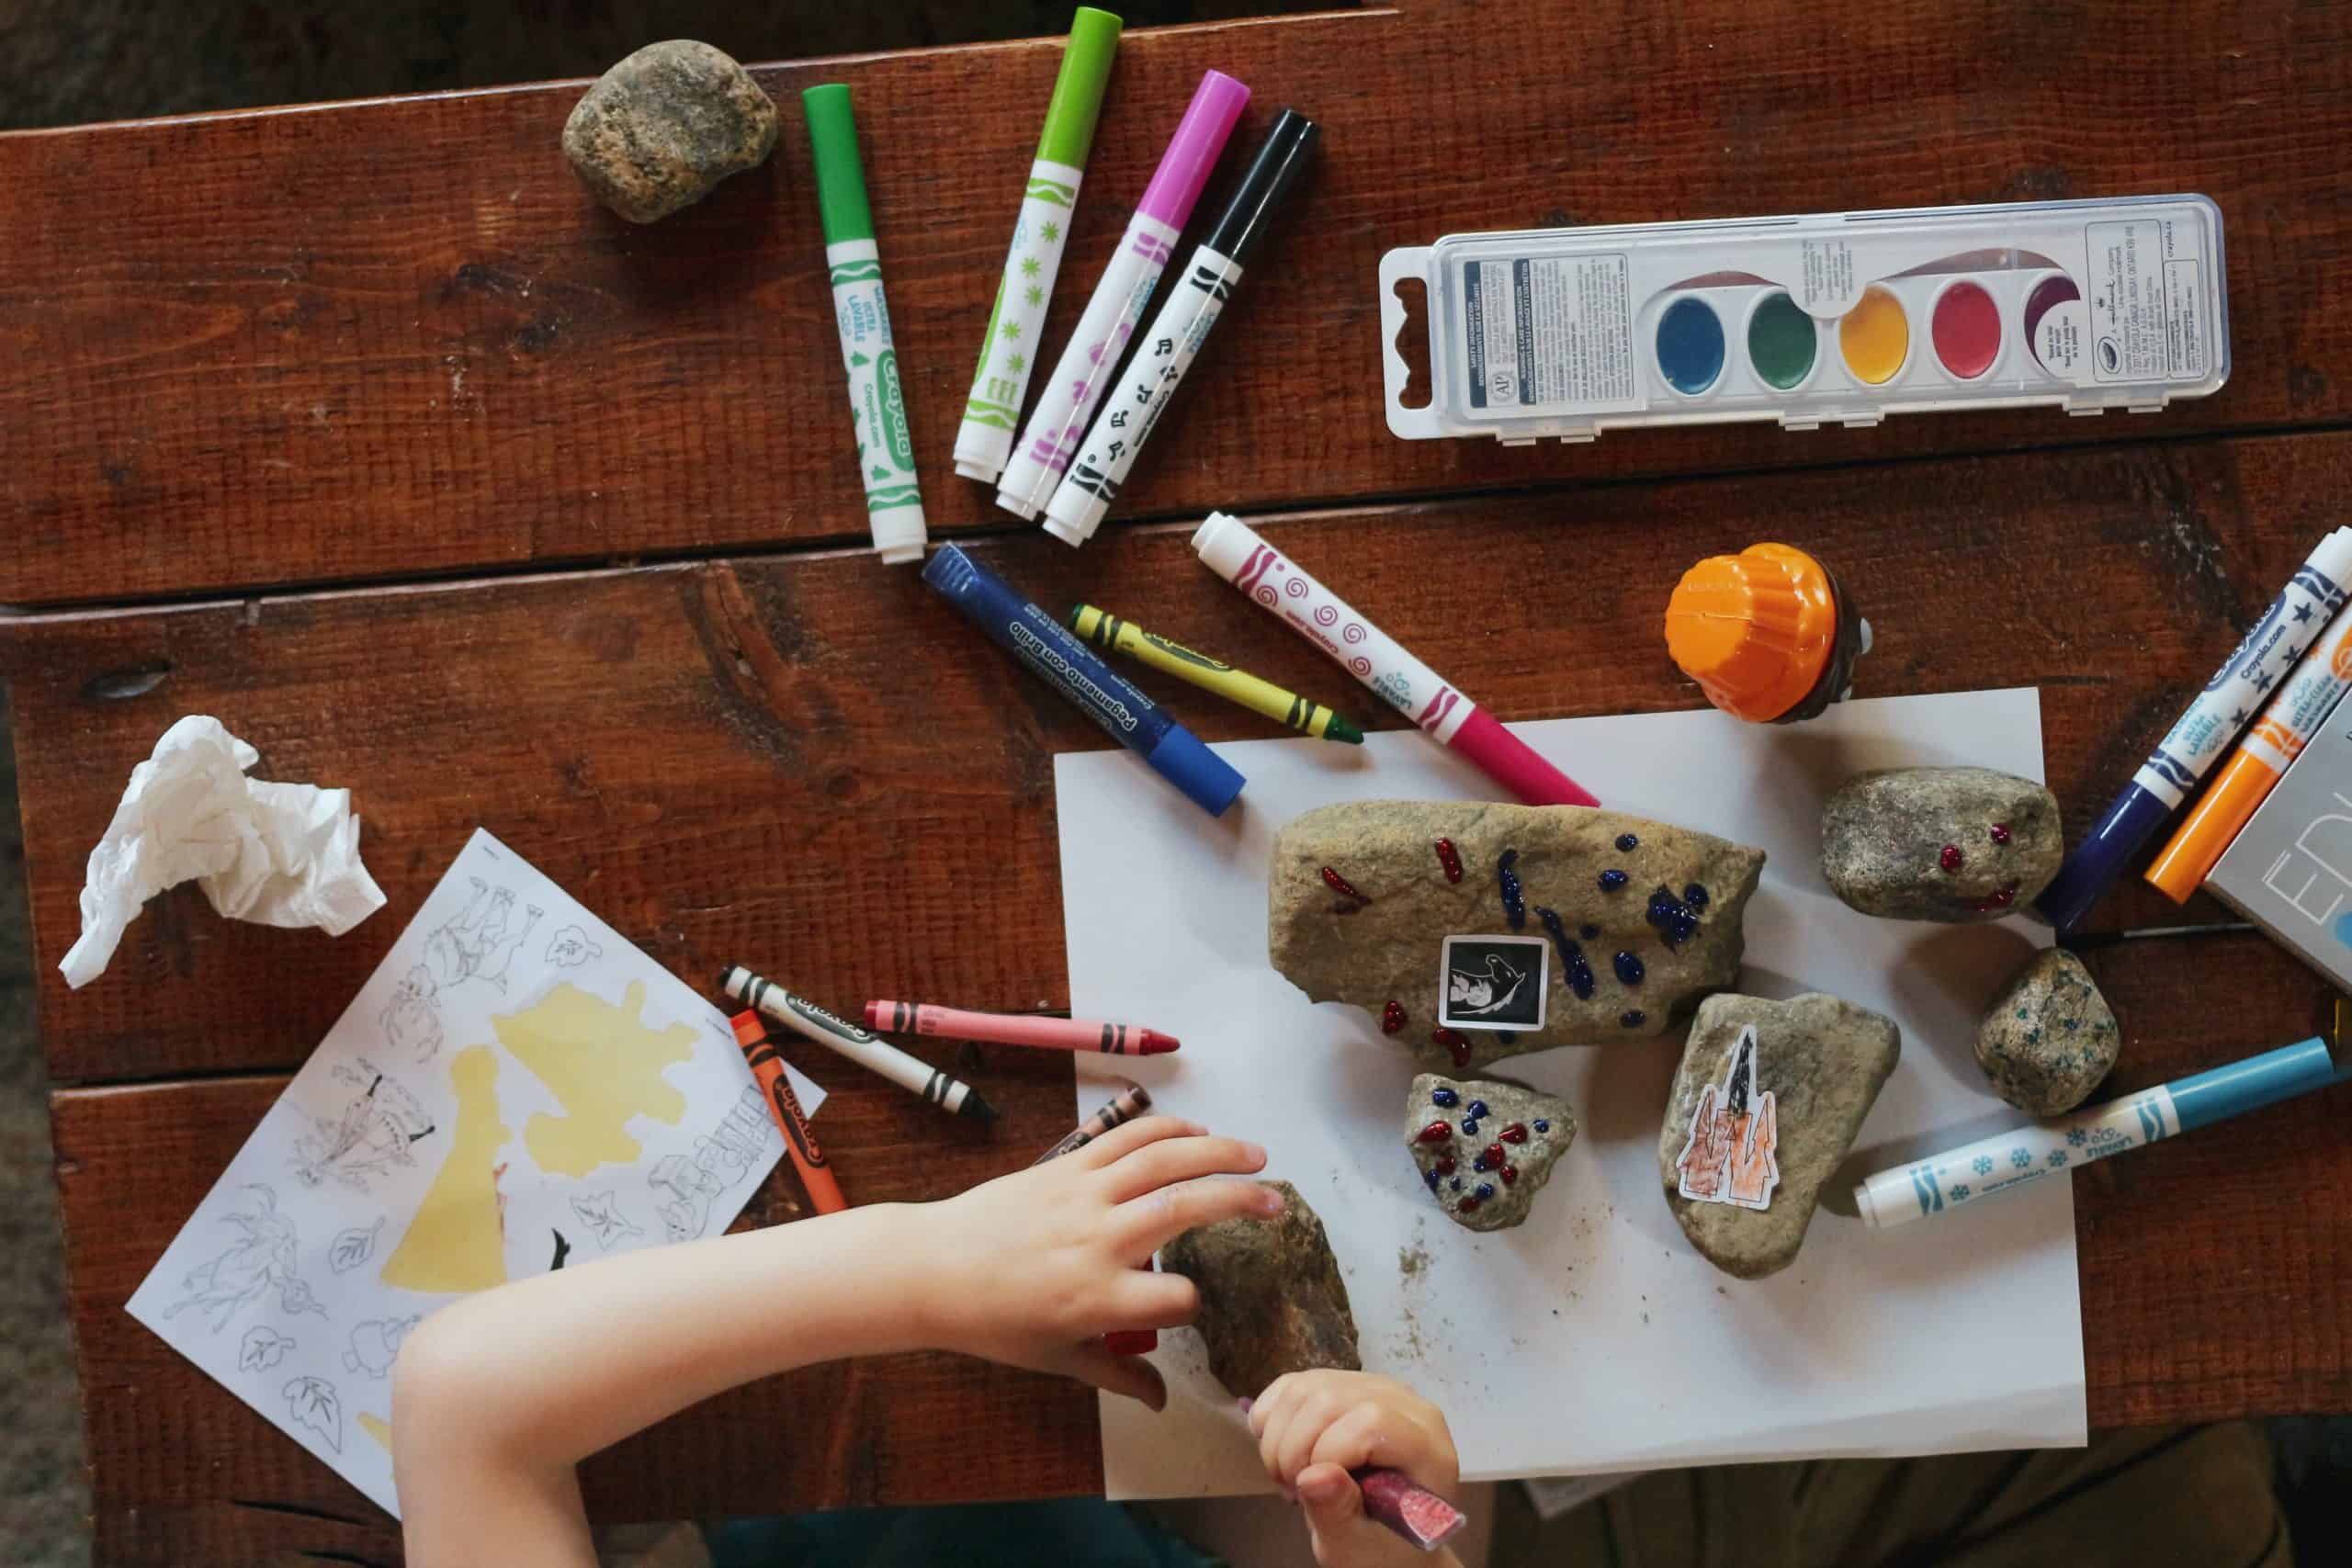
[
  {"x": 1313, "y": 1427},
  {"x": 497, "y": 1397}
]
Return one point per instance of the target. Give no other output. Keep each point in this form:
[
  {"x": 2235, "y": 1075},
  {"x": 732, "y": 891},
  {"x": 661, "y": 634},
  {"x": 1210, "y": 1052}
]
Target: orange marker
[
  {"x": 2305, "y": 698},
  {"x": 824, "y": 1193},
  {"x": 1766, "y": 633}
]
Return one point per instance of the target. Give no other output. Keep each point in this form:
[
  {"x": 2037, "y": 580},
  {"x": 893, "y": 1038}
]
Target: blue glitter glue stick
[
  {"x": 1058, "y": 657},
  {"x": 2199, "y": 737}
]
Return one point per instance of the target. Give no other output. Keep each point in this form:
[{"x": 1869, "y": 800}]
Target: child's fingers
[
  {"x": 1170, "y": 1160},
  {"x": 1130, "y": 1375},
  {"x": 1360, "y": 1436},
  {"x": 1309, "y": 1417},
  {"x": 1270, "y": 1400},
  {"x": 1125, "y": 1139},
  {"x": 1149, "y": 1222},
  {"x": 1331, "y": 1498},
  {"x": 1158, "y": 1301}
]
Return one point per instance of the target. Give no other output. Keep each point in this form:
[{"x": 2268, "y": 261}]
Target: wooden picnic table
[{"x": 361, "y": 427}]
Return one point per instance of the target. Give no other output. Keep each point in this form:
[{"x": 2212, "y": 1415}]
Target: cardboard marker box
[{"x": 2290, "y": 870}]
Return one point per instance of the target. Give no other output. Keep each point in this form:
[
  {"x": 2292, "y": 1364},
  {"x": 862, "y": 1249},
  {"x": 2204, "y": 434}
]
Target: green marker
[
  {"x": 1009, "y": 352},
  {"x": 878, "y": 406}
]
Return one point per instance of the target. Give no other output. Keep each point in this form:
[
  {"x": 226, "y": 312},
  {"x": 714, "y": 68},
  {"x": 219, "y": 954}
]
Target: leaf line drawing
[
  {"x": 604, "y": 1219},
  {"x": 262, "y": 1349},
  {"x": 571, "y": 948},
  {"x": 314, "y": 1403},
  {"x": 354, "y": 1247},
  {"x": 260, "y": 1261}
]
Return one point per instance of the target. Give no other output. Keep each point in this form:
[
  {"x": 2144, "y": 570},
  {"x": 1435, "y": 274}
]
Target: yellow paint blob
[
  {"x": 458, "y": 1241},
  {"x": 603, "y": 1066},
  {"x": 1875, "y": 336},
  {"x": 376, "y": 1428}
]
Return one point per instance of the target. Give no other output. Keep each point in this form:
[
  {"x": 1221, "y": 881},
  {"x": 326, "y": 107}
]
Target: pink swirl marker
[
  {"x": 1232, "y": 549},
  {"x": 1120, "y": 297}
]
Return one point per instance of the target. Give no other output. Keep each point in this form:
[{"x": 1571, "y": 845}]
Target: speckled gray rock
[
  {"x": 1271, "y": 1299},
  {"x": 2048, "y": 1037},
  {"x": 1500, "y": 1142},
  {"x": 1776, "y": 1123},
  {"x": 1390, "y": 946},
  {"x": 664, "y": 126},
  {"x": 1953, "y": 844}
]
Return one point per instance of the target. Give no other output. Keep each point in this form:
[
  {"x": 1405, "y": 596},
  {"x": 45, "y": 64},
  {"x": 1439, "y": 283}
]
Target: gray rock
[
  {"x": 1486, "y": 1168},
  {"x": 1952, "y": 844},
  {"x": 1821, "y": 1062},
  {"x": 1388, "y": 946},
  {"x": 2048, "y": 1037},
  {"x": 1271, "y": 1299},
  {"x": 664, "y": 126}
]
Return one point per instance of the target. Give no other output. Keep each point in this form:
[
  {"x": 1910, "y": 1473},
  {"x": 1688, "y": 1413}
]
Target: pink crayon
[
  {"x": 1018, "y": 1029},
  {"x": 1229, "y": 548},
  {"x": 1084, "y": 373}
]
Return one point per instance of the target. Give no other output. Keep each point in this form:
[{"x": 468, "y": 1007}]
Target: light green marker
[
  {"x": 1009, "y": 352},
  {"x": 885, "y": 453}
]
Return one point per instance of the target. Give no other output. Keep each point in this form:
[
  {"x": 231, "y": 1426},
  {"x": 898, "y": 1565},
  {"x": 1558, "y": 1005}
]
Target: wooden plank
[
  {"x": 396, "y": 337},
  {"x": 134, "y": 1161},
  {"x": 811, "y": 763},
  {"x": 2204, "y": 1295}
]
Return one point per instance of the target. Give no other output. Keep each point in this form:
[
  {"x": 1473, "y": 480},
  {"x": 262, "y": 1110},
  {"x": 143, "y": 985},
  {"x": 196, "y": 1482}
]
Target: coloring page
[{"x": 515, "y": 1089}]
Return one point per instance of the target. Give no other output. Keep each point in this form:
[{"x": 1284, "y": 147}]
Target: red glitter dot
[
  {"x": 2000, "y": 832},
  {"x": 1494, "y": 1153},
  {"x": 1515, "y": 1133},
  {"x": 1339, "y": 885},
  {"x": 1510, "y": 1174},
  {"x": 1437, "y": 1133},
  {"x": 1950, "y": 859},
  {"x": 1392, "y": 1017},
  {"x": 1449, "y": 858},
  {"x": 1467, "y": 1205},
  {"x": 1445, "y": 1163}
]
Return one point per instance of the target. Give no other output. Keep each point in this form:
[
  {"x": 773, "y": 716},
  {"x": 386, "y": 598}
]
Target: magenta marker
[
  {"x": 1067, "y": 401},
  {"x": 1232, "y": 549}
]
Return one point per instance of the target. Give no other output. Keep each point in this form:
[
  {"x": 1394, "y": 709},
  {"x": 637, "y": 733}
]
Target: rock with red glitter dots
[
  {"x": 1950, "y": 844},
  {"x": 1501, "y": 1172}
]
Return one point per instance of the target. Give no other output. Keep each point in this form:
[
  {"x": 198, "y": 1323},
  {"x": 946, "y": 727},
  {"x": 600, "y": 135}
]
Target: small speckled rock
[
  {"x": 664, "y": 126},
  {"x": 1773, "y": 1122},
  {"x": 1499, "y": 1141},
  {"x": 1952, "y": 844},
  {"x": 2048, "y": 1037},
  {"x": 1634, "y": 919},
  {"x": 1271, "y": 1299}
]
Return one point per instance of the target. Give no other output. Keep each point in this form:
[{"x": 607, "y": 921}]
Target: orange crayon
[
  {"x": 824, "y": 1193},
  {"x": 2304, "y": 700},
  {"x": 1767, "y": 634}
]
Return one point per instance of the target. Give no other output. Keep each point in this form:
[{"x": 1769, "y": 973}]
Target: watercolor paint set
[{"x": 1834, "y": 318}]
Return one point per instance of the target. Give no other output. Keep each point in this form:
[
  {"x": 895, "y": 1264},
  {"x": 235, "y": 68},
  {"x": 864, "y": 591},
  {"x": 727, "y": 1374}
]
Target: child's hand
[
  {"x": 1035, "y": 1267},
  {"x": 1313, "y": 1427}
]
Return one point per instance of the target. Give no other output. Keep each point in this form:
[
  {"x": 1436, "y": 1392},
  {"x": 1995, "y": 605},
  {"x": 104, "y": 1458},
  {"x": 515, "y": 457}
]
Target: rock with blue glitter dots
[
  {"x": 1532, "y": 875},
  {"x": 2048, "y": 1037},
  {"x": 1487, "y": 1173}
]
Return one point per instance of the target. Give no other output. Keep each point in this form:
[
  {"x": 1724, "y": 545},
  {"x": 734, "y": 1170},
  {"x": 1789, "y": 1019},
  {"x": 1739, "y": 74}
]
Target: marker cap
[
  {"x": 1760, "y": 630},
  {"x": 1077, "y": 90},
  {"x": 841, "y": 178},
  {"x": 899, "y": 535},
  {"x": 1193, "y": 151},
  {"x": 2226, "y": 806},
  {"x": 1208, "y": 780},
  {"x": 1282, "y": 158},
  {"x": 2098, "y": 859},
  {"x": 2205, "y": 1098}
]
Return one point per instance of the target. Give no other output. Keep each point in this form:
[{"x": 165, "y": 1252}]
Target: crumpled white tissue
[{"x": 280, "y": 854}]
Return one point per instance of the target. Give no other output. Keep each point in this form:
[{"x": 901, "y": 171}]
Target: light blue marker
[{"x": 1993, "y": 1165}]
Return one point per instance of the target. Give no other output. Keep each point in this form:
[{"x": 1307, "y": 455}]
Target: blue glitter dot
[
  {"x": 1486, "y": 1190},
  {"x": 1542, "y": 1126},
  {"x": 1478, "y": 1164},
  {"x": 1445, "y": 1097},
  {"x": 1469, "y": 1126},
  {"x": 1457, "y": 1184},
  {"x": 1629, "y": 969},
  {"x": 1589, "y": 933},
  {"x": 1613, "y": 880},
  {"x": 1429, "y": 1177},
  {"x": 1627, "y": 841},
  {"x": 1632, "y": 1018},
  {"x": 1477, "y": 1109},
  {"x": 1695, "y": 895}
]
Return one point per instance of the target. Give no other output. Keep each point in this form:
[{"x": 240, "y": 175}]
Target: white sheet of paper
[
  {"x": 275, "y": 1285},
  {"x": 1592, "y": 1339}
]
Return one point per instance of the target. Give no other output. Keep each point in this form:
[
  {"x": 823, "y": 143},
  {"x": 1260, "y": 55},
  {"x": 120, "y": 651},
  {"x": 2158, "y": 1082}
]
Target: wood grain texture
[
  {"x": 813, "y": 765},
  {"x": 396, "y": 337}
]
